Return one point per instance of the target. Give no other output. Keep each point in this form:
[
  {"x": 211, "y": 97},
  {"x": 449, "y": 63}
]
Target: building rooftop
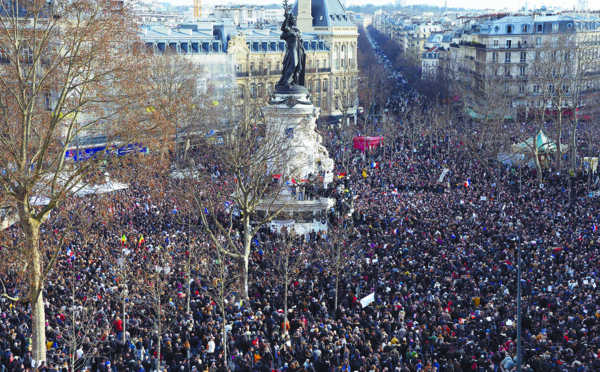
[{"x": 327, "y": 13}]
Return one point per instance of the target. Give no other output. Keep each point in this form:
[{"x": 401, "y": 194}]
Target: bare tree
[
  {"x": 243, "y": 186},
  {"x": 70, "y": 73},
  {"x": 287, "y": 259},
  {"x": 153, "y": 291},
  {"x": 339, "y": 253},
  {"x": 486, "y": 132},
  {"x": 220, "y": 283}
]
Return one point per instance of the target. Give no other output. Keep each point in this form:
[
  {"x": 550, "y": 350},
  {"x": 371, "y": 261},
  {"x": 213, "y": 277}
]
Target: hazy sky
[{"x": 476, "y": 4}]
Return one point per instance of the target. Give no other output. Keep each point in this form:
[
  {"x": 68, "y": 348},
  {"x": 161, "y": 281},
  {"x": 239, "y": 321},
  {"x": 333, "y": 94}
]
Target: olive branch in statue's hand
[{"x": 286, "y": 9}]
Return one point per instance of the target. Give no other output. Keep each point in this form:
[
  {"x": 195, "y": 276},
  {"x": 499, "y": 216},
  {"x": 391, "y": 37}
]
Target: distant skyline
[{"x": 469, "y": 4}]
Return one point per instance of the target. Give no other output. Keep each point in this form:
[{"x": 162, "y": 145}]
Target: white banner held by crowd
[
  {"x": 367, "y": 300},
  {"x": 444, "y": 172}
]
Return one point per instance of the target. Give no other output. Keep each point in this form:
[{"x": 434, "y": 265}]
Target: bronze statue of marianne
[{"x": 294, "y": 60}]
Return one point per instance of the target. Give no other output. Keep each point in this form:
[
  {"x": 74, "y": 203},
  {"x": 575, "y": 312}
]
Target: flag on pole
[
  {"x": 374, "y": 165},
  {"x": 123, "y": 240},
  {"x": 468, "y": 182},
  {"x": 595, "y": 228}
]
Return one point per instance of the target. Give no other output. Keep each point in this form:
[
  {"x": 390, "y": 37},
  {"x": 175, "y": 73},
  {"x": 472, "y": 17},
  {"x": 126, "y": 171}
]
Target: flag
[
  {"x": 468, "y": 182},
  {"x": 235, "y": 178},
  {"x": 303, "y": 180},
  {"x": 595, "y": 228},
  {"x": 341, "y": 175},
  {"x": 364, "y": 173},
  {"x": 70, "y": 253},
  {"x": 293, "y": 181},
  {"x": 277, "y": 176},
  {"x": 123, "y": 240},
  {"x": 395, "y": 231},
  {"x": 227, "y": 204},
  {"x": 374, "y": 165},
  {"x": 142, "y": 240}
]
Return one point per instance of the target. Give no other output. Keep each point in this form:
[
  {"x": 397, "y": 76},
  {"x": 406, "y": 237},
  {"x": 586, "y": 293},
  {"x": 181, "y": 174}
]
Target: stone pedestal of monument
[{"x": 295, "y": 115}]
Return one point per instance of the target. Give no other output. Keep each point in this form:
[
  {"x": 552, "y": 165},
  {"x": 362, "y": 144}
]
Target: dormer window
[
  {"x": 509, "y": 29},
  {"x": 525, "y": 29},
  {"x": 540, "y": 28}
]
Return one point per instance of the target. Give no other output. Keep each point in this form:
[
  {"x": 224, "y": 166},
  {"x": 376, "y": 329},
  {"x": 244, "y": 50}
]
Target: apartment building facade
[
  {"x": 251, "y": 58},
  {"x": 507, "y": 53}
]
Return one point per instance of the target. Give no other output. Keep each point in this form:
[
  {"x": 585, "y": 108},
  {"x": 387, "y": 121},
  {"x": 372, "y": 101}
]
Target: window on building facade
[
  {"x": 522, "y": 88},
  {"x": 325, "y": 86},
  {"x": 540, "y": 28},
  {"x": 535, "y": 88},
  {"x": 523, "y": 57},
  {"x": 538, "y": 41},
  {"x": 551, "y": 88},
  {"x": 27, "y": 55},
  {"x": 555, "y": 27},
  {"x": 565, "y": 88},
  {"x": 47, "y": 101},
  {"x": 507, "y": 71},
  {"x": 495, "y": 57},
  {"x": 525, "y": 29},
  {"x": 496, "y": 43},
  {"x": 507, "y": 57},
  {"x": 522, "y": 71},
  {"x": 509, "y": 29}
]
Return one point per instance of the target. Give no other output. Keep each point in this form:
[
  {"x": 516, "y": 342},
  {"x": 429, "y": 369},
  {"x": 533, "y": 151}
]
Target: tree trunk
[
  {"x": 285, "y": 308},
  {"x": 124, "y": 318},
  {"x": 224, "y": 342},
  {"x": 246, "y": 254},
  {"x": 336, "y": 294},
  {"x": 558, "y": 141},
  {"x": 187, "y": 283},
  {"x": 538, "y": 166},
  {"x": 36, "y": 287},
  {"x": 39, "y": 329},
  {"x": 574, "y": 146}
]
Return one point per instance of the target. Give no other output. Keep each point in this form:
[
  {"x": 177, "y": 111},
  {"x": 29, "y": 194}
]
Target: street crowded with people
[
  {"x": 430, "y": 241},
  {"x": 440, "y": 257}
]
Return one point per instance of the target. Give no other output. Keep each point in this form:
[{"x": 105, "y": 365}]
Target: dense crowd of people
[
  {"x": 440, "y": 257},
  {"x": 431, "y": 234}
]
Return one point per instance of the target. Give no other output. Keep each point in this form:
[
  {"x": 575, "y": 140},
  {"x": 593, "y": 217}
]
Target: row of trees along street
[
  {"x": 78, "y": 71},
  {"x": 487, "y": 113}
]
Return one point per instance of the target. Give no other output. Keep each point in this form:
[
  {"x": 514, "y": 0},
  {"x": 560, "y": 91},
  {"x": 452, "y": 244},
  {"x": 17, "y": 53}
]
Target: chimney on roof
[{"x": 305, "y": 18}]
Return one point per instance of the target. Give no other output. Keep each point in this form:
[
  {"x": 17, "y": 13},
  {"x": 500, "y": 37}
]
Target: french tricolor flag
[
  {"x": 70, "y": 253},
  {"x": 595, "y": 227},
  {"x": 468, "y": 182}
]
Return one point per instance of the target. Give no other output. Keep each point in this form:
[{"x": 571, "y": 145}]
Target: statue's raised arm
[{"x": 292, "y": 71}]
